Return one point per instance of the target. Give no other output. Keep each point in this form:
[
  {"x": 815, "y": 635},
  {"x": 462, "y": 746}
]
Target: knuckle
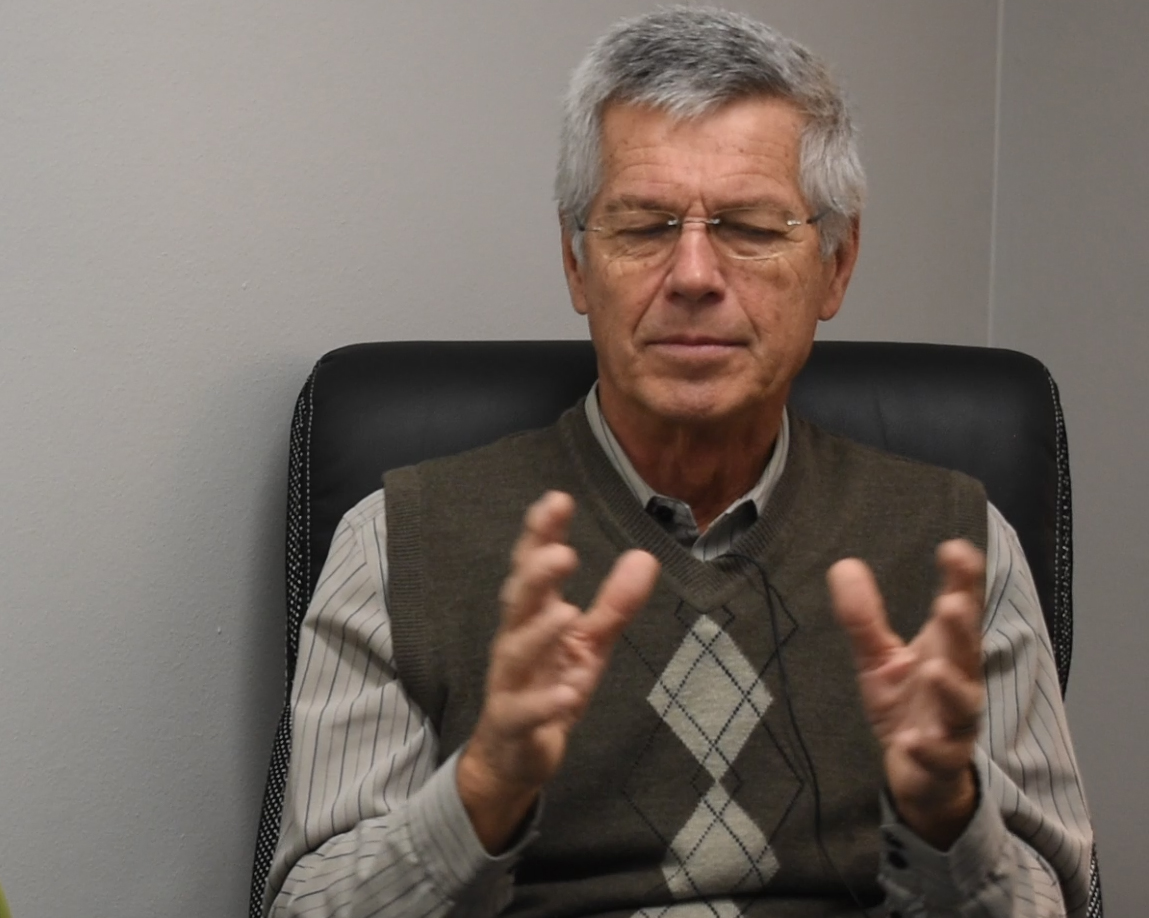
[
  {"x": 552, "y": 561},
  {"x": 935, "y": 672},
  {"x": 534, "y": 514},
  {"x": 509, "y": 593},
  {"x": 521, "y": 553},
  {"x": 952, "y": 607}
]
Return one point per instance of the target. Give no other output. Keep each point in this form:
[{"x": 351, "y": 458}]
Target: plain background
[{"x": 199, "y": 198}]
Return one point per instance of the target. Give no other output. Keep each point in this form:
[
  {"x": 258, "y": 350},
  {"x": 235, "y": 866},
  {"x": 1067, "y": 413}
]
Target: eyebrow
[
  {"x": 637, "y": 202},
  {"x": 631, "y": 202}
]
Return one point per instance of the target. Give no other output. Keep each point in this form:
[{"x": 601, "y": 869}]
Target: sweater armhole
[
  {"x": 407, "y": 590},
  {"x": 970, "y": 510}
]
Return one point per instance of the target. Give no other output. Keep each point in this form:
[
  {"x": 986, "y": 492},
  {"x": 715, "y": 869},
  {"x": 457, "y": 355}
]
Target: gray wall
[
  {"x": 198, "y": 199},
  {"x": 1069, "y": 287}
]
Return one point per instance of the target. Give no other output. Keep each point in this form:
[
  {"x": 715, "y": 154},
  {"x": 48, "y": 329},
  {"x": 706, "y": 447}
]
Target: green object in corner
[{"x": 4, "y": 913}]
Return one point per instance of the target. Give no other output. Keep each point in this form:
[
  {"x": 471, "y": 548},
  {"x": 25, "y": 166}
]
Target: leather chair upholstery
[{"x": 367, "y": 408}]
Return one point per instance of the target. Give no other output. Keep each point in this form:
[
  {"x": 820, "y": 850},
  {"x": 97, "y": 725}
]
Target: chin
[{"x": 695, "y": 405}]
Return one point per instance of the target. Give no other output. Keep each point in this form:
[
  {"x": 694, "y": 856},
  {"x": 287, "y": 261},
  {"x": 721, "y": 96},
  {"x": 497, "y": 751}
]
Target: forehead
[{"x": 742, "y": 152}]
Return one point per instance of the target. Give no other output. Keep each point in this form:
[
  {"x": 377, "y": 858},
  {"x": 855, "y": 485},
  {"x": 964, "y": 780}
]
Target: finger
[
  {"x": 947, "y": 708},
  {"x": 962, "y": 569},
  {"x": 583, "y": 680},
  {"x": 517, "y": 712},
  {"x": 620, "y": 596},
  {"x": 545, "y": 521},
  {"x": 938, "y": 759},
  {"x": 517, "y": 652},
  {"x": 859, "y": 609},
  {"x": 955, "y": 701},
  {"x": 954, "y": 633},
  {"x": 954, "y": 630},
  {"x": 536, "y": 577}
]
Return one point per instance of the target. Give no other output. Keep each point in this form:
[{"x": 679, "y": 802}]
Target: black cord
[{"x": 772, "y": 593}]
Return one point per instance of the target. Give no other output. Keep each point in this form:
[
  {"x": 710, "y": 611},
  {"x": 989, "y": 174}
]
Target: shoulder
[
  {"x": 370, "y": 510},
  {"x": 496, "y": 474},
  {"x": 361, "y": 536},
  {"x": 517, "y": 448},
  {"x": 847, "y": 460},
  {"x": 842, "y": 482}
]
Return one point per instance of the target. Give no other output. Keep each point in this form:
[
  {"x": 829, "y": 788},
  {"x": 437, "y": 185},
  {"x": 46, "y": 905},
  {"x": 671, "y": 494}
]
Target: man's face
[{"x": 700, "y": 338}]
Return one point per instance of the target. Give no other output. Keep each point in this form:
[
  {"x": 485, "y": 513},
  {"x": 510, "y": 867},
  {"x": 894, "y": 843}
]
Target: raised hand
[
  {"x": 924, "y": 699},
  {"x": 546, "y": 660}
]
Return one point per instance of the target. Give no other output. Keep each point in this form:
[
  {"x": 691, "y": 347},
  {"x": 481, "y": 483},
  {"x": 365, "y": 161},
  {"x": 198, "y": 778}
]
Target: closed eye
[
  {"x": 750, "y": 231},
  {"x": 648, "y": 230}
]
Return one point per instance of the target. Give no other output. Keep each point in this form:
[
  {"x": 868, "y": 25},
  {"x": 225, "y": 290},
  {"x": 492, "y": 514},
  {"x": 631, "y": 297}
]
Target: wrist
[
  {"x": 942, "y": 816},
  {"x": 495, "y": 807}
]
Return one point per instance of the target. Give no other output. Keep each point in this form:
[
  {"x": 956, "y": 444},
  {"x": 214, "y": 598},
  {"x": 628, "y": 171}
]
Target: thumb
[{"x": 623, "y": 592}]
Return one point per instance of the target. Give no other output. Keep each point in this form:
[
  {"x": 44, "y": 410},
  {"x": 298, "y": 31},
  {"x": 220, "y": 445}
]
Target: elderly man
[{"x": 668, "y": 704}]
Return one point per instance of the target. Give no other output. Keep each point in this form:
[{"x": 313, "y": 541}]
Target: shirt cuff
[
  {"x": 914, "y": 869},
  {"x": 445, "y": 842}
]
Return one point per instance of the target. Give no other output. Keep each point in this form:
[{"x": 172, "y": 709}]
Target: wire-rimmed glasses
[{"x": 745, "y": 233}]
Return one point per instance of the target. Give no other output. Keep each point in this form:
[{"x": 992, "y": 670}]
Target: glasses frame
[{"x": 792, "y": 223}]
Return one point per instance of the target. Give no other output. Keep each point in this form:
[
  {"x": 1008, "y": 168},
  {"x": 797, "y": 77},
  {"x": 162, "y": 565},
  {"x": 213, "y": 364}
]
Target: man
[{"x": 718, "y": 731}]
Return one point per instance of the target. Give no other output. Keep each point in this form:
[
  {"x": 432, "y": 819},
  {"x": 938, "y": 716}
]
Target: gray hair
[{"x": 688, "y": 61}]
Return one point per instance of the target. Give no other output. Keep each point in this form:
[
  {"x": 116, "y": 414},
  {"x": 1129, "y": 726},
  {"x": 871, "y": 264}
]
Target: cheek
[
  {"x": 798, "y": 289},
  {"x": 618, "y": 301},
  {"x": 769, "y": 293},
  {"x": 790, "y": 276},
  {"x": 782, "y": 306}
]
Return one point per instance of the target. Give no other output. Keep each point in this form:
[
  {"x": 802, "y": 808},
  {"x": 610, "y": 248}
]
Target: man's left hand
[{"x": 924, "y": 699}]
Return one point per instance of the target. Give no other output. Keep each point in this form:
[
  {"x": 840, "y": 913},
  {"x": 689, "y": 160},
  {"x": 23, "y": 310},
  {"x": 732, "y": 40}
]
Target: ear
[
  {"x": 573, "y": 269},
  {"x": 840, "y": 266}
]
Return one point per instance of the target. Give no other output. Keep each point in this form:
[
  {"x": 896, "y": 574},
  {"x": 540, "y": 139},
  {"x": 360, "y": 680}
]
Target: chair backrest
[{"x": 368, "y": 408}]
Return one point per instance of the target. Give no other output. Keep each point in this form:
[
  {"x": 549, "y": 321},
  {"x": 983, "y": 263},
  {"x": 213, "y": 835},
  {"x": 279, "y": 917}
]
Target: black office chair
[{"x": 367, "y": 408}]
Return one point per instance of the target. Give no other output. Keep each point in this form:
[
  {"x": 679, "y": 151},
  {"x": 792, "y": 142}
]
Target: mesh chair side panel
[
  {"x": 1062, "y": 636},
  {"x": 298, "y": 591},
  {"x": 298, "y": 522},
  {"x": 1094, "y": 909}
]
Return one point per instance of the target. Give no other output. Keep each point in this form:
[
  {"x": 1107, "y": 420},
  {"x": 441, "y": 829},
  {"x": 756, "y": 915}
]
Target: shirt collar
[{"x": 758, "y": 495}]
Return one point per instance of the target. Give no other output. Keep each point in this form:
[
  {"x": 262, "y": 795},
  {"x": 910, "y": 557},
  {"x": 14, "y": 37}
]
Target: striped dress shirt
[{"x": 373, "y": 826}]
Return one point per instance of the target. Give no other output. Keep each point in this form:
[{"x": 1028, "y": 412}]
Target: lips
[
  {"x": 697, "y": 341},
  {"x": 694, "y": 354},
  {"x": 695, "y": 345}
]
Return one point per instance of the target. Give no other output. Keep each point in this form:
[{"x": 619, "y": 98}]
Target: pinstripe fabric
[
  {"x": 1027, "y": 771},
  {"x": 372, "y": 828}
]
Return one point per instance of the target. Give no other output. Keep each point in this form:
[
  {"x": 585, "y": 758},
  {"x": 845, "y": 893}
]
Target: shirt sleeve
[
  {"x": 372, "y": 825},
  {"x": 1026, "y": 852}
]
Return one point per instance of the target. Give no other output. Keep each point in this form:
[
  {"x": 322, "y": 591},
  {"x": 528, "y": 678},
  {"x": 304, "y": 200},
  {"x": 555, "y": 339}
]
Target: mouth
[{"x": 695, "y": 346}]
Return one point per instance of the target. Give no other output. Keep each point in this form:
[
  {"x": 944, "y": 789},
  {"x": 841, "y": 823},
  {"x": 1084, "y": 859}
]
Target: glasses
[{"x": 745, "y": 233}]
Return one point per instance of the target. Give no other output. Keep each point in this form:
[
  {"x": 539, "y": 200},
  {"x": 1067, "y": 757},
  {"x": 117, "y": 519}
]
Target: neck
[{"x": 706, "y": 465}]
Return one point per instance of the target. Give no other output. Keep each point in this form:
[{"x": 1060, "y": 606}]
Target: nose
[{"x": 695, "y": 274}]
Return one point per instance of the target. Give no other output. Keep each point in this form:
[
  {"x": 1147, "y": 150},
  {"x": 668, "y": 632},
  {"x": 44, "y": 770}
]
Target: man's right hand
[{"x": 546, "y": 661}]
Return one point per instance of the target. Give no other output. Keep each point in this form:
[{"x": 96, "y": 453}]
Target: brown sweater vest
[{"x": 689, "y": 781}]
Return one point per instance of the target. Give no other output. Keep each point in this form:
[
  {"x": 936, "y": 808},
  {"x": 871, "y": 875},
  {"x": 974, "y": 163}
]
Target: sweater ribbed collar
[
  {"x": 705, "y": 584},
  {"x": 675, "y": 515}
]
